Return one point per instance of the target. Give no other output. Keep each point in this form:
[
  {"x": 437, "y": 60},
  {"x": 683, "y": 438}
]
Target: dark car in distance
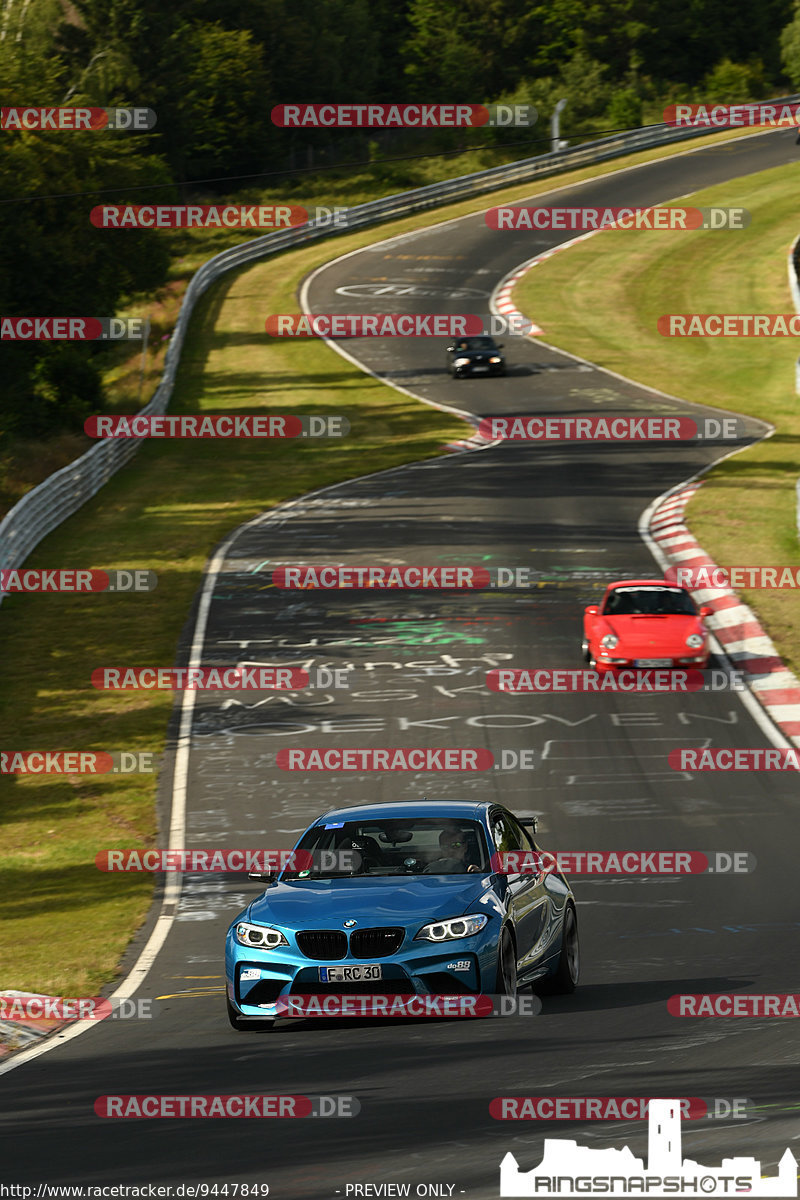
[{"x": 475, "y": 356}]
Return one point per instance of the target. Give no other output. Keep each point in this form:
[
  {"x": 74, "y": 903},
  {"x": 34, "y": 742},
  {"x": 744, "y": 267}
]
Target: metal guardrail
[
  {"x": 794, "y": 285},
  {"x": 46, "y": 506}
]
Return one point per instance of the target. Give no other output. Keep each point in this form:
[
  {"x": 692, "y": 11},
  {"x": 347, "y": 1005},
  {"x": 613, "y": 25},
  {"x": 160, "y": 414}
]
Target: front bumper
[
  {"x": 474, "y": 369},
  {"x": 612, "y": 661},
  {"x": 255, "y": 979}
]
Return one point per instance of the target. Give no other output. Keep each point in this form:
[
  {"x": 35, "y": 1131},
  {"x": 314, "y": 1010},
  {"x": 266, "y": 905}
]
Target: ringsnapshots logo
[
  {"x": 72, "y": 329},
  {"x": 61, "y": 119},
  {"x": 403, "y": 116},
  {"x": 216, "y": 425},
  {"x": 71, "y": 580},
  {"x": 77, "y": 762},
  {"x": 611, "y": 429},
  {"x": 731, "y": 116},
  {"x": 516, "y": 217},
  {"x": 570, "y": 1170},
  {"x": 202, "y": 1107}
]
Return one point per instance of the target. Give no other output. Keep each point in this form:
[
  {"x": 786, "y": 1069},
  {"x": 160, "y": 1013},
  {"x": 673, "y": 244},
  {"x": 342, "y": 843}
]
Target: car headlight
[
  {"x": 609, "y": 641},
  {"x": 454, "y": 927},
  {"x": 495, "y": 358},
  {"x": 259, "y": 936},
  {"x": 695, "y": 640},
  {"x": 461, "y": 362}
]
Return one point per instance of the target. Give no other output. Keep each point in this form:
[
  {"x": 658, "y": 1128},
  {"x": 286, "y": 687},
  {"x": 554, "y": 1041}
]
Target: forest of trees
[{"x": 212, "y": 70}]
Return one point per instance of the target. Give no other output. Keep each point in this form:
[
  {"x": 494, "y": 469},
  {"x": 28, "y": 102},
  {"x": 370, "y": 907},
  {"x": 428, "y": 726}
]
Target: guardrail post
[{"x": 555, "y": 127}]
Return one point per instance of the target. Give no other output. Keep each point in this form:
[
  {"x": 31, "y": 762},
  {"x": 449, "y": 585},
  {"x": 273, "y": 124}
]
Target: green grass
[
  {"x": 745, "y": 512},
  {"x": 63, "y": 924}
]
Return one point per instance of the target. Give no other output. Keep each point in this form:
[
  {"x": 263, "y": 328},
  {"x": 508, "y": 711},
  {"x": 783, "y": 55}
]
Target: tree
[{"x": 790, "y": 48}]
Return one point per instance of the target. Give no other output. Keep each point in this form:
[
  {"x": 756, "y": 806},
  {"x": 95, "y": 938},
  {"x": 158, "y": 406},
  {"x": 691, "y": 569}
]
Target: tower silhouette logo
[{"x": 568, "y": 1169}]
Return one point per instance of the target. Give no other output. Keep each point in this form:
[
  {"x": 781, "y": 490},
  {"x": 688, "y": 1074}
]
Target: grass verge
[{"x": 745, "y": 512}]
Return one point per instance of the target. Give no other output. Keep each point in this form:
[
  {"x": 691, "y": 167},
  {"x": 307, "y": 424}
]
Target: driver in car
[{"x": 455, "y": 855}]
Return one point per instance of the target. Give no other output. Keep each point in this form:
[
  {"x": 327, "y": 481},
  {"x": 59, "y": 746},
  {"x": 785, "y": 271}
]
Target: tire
[
  {"x": 246, "y": 1024},
  {"x": 506, "y": 978},
  {"x": 565, "y": 980},
  {"x": 587, "y": 654}
]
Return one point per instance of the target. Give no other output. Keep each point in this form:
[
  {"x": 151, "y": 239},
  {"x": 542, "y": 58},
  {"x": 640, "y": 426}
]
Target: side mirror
[
  {"x": 499, "y": 345},
  {"x": 592, "y": 610},
  {"x": 450, "y": 348},
  {"x": 263, "y": 876},
  {"x": 706, "y": 611}
]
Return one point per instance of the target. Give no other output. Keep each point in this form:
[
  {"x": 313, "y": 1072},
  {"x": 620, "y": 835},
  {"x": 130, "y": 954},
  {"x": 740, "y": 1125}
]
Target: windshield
[
  {"x": 420, "y": 845},
  {"x": 476, "y": 343},
  {"x": 650, "y": 601}
]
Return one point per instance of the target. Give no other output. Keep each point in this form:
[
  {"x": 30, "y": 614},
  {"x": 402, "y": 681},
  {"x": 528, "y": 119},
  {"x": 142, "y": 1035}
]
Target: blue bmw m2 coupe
[{"x": 424, "y": 912}]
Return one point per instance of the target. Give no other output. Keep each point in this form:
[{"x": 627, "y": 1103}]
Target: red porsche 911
[{"x": 645, "y": 623}]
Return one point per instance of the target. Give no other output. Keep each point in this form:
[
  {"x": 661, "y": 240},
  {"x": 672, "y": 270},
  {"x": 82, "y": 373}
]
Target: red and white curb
[
  {"x": 477, "y": 442},
  {"x": 735, "y": 626},
  {"x": 501, "y": 302}
]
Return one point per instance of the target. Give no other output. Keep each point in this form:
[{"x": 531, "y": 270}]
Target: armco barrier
[
  {"x": 60, "y": 495},
  {"x": 794, "y": 284}
]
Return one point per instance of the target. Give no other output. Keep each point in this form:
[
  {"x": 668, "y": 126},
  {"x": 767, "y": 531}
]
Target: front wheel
[
  {"x": 246, "y": 1024},
  {"x": 565, "y": 979}
]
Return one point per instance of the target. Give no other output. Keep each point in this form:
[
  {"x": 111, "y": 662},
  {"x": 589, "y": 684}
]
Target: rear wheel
[
  {"x": 506, "y": 982},
  {"x": 566, "y": 977}
]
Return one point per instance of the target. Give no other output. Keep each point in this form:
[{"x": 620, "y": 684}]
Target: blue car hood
[{"x": 382, "y": 900}]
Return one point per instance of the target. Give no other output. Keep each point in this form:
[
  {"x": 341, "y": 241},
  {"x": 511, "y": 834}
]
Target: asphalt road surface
[{"x": 601, "y": 781}]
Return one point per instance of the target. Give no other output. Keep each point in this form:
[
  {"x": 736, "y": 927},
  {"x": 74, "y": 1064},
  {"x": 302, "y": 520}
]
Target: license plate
[
  {"x": 477, "y": 368},
  {"x": 350, "y": 974},
  {"x": 652, "y": 662}
]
